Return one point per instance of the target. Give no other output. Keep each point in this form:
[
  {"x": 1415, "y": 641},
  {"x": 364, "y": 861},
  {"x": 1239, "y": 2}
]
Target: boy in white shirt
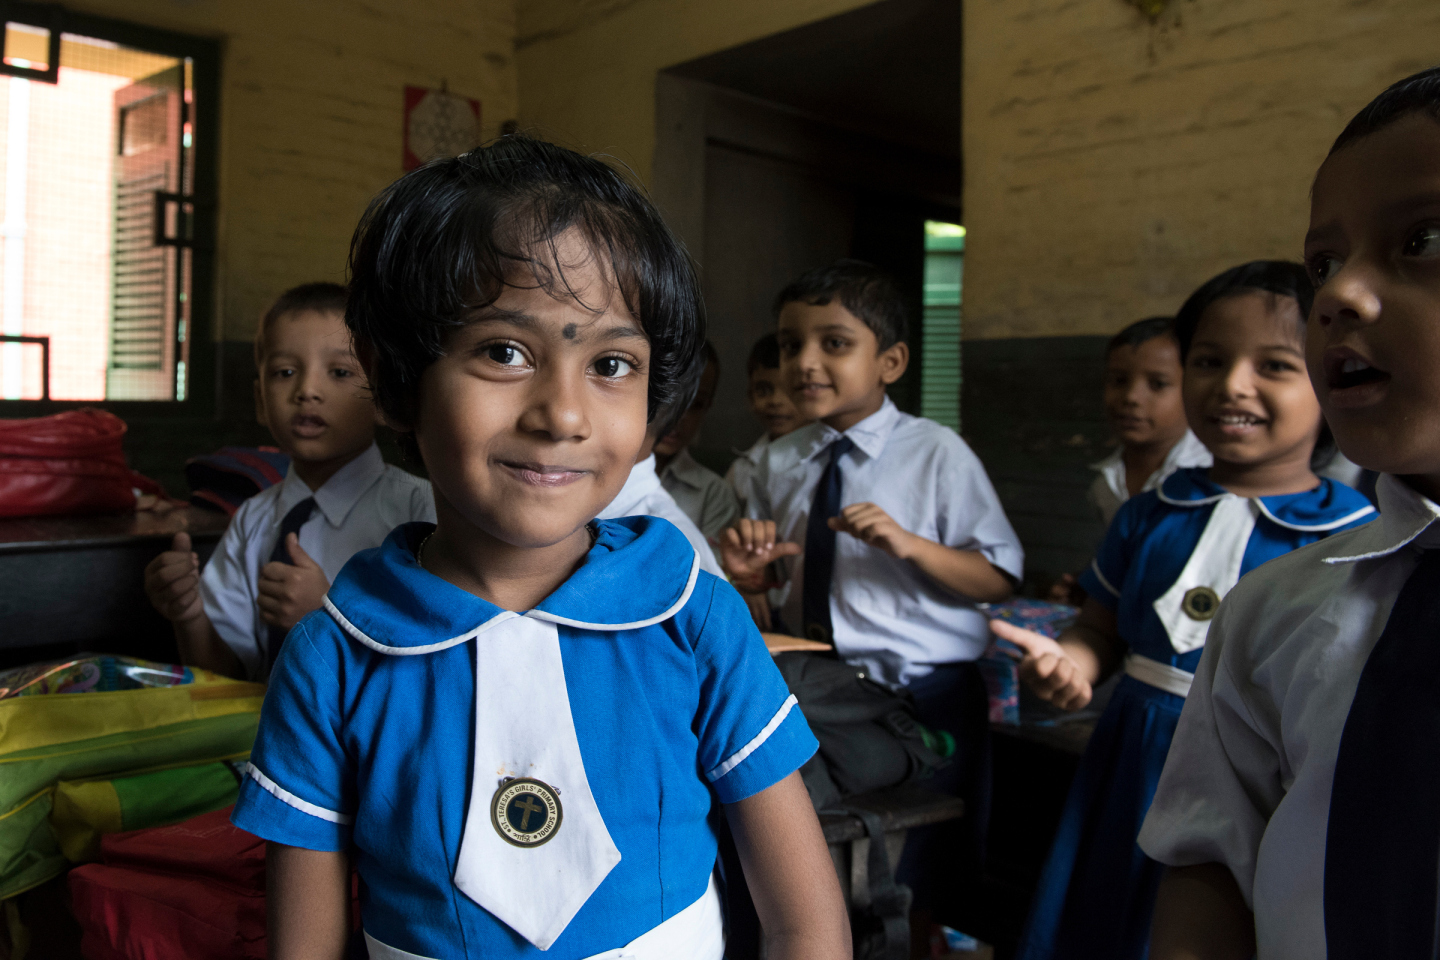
[
  {"x": 701, "y": 492},
  {"x": 284, "y": 546},
  {"x": 772, "y": 405},
  {"x": 1299, "y": 808},
  {"x": 902, "y": 532}
]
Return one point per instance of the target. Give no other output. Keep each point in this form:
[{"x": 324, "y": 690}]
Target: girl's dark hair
[
  {"x": 1142, "y": 331},
  {"x": 1280, "y": 277},
  {"x": 863, "y": 289},
  {"x": 764, "y": 355},
  {"x": 447, "y": 238},
  {"x": 1417, "y": 92}
]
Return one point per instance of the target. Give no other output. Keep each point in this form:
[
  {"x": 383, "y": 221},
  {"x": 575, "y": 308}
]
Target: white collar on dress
[
  {"x": 338, "y": 495},
  {"x": 1405, "y": 515}
]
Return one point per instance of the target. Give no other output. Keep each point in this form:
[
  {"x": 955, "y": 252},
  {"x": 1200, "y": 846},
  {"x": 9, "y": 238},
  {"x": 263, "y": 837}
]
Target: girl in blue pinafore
[{"x": 1167, "y": 560}]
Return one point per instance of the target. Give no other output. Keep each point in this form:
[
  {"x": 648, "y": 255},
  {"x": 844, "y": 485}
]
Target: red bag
[
  {"x": 192, "y": 891},
  {"x": 69, "y": 463}
]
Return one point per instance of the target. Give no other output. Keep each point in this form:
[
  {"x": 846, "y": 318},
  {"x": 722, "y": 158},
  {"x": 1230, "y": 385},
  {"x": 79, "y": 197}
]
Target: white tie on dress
[
  {"x": 1215, "y": 563},
  {"x": 523, "y": 729}
]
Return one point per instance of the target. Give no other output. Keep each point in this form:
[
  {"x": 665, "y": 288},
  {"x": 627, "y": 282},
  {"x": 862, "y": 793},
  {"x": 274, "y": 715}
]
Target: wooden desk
[{"x": 77, "y": 583}]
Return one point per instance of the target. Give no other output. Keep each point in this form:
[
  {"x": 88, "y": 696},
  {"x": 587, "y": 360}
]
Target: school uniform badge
[
  {"x": 526, "y": 812},
  {"x": 1200, "y": 603}
]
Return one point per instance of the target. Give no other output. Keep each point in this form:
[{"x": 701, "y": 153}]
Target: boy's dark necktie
[
  {"x": 820, "y": 546},
  {"x": 1382, "y": 845},
  {"x": 292, "y": 523}
]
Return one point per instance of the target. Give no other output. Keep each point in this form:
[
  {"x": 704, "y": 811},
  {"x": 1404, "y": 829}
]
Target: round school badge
[
  {"x": 1200, "y": 603},
  {"x": 526, "y": 812}
]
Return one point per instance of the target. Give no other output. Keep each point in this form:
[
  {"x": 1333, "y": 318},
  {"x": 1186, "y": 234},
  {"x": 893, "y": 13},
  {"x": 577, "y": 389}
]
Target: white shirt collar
[
  {"x": 1406, "y": 516},
  {"x": 338, "y": 495},
  {"x": 642, "y": 482},
  {"x": 870, "y": 434},
  {"x": 684, "y": 468},
  {"x": 1188, "y": 451}
]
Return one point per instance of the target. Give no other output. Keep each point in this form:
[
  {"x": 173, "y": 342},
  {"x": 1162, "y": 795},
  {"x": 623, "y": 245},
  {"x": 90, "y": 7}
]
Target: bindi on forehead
[{"x": 569, "y": 332}]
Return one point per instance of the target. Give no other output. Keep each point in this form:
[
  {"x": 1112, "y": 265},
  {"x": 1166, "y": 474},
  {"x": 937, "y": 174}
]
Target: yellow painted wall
[
  {"x": 1112, "y": 164},
  {"x": 587, "y": 67},
  {"x": 311, "y": 118}
]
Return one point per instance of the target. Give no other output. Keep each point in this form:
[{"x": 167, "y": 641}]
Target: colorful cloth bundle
[{"x": 122, "y": 755}]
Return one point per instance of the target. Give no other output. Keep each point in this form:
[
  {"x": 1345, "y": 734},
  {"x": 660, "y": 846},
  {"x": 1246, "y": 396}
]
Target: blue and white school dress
[
  {"x": 1167, "y": 560},
  {"x": 510, "y": 783}
]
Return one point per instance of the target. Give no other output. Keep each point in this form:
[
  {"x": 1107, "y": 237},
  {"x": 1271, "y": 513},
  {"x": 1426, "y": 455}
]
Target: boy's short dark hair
[
  {"x": 764, "y": 355},
  {"x": 1279, "y": 277},
  {"x": 321, "y": 297},
  {"x": 863, "y": 289},
  {"x": 1142, "y": 331},
  {"x": 1419, "y": 92},
  {"x": 443, "y": 240}
]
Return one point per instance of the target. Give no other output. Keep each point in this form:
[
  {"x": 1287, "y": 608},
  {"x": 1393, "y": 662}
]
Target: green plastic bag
[{"x": 76, "y": 765}]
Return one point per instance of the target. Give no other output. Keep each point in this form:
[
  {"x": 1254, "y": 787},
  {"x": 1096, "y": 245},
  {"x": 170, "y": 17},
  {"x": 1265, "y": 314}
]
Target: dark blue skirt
[{"x": 1097, "y": 890}]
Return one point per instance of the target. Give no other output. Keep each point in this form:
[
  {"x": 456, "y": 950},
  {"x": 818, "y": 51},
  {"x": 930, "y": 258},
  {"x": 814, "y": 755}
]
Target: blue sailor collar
[
  {"x": 640, "y": 571},
  {"x": 1329, "y": 506}
]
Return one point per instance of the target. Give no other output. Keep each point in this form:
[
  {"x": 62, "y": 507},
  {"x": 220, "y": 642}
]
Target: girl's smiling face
[
  {"x": 1247, "y": 395},
  {"x": 530, "y": 422}
]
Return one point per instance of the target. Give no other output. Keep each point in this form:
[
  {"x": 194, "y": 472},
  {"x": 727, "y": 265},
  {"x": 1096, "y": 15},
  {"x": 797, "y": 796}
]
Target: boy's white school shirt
[
  {"x": 886, "y": 613},
  {"x": 354, "y": 510},
  {"x": 701, "y": 493},
  {"x": 1109, "y": 490},
  {"x": 643, "y": 496},
  {"x": 1247, "y": 782},
  {"x": 742, "y": 468}
]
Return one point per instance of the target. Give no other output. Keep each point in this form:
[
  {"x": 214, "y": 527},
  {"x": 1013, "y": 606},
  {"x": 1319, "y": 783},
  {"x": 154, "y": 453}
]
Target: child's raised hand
[
  {"x": 289, "y": 591},
  {"x": 172, "y": 582},
  {"x": 1047, "y": 668},
  {"x": 747, "y": 548},
  {"x": 874, "y": 526}
]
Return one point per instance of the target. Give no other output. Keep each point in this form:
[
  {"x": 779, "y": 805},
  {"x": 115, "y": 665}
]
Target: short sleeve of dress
[
  {"x": 1221, "y": 778},
  {"x": 300, "y": 789},
  {"x": 751, "y": 732},
  {"x": 1105, "y": 577}
]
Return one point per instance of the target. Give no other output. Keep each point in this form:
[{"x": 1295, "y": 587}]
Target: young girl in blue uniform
[
  {"x": 515, "y": 722},
  {"x": 1167, "y": 560}
]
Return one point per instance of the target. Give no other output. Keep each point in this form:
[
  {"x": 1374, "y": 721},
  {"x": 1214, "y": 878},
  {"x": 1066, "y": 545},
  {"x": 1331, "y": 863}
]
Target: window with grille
[
  {"x": 102, "y": 239},
  {"x": 940, "y": 331}
]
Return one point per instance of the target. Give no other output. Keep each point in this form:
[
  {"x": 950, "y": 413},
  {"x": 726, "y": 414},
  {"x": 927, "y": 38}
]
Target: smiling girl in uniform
[
  {"x": 1167, "y": 560},
  {"x": 516, "y": 722}
]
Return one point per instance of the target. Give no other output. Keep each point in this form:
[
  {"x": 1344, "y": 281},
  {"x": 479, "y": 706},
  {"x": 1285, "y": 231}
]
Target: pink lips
[
  {"x": 307, "y": 425},
  {"x": 543, "y": 475}
]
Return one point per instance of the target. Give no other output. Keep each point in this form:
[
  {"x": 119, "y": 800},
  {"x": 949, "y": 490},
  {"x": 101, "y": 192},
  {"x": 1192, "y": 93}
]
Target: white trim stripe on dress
[
  {"x": 286, "y": 797},
  {"x": 1095, "y": 568},
  {"x": 739, "y": 756}
]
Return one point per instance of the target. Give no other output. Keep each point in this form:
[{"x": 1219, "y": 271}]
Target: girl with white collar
[
  {"x": 1168, "y": 559},
  {"x": 519, "y": 723}
]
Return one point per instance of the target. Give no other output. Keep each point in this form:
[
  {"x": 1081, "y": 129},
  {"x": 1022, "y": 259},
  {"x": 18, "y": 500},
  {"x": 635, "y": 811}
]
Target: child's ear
[{"x": 893, "y": 362}]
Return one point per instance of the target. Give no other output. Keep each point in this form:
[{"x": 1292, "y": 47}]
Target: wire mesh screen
[{"x": 88, "y": 165}]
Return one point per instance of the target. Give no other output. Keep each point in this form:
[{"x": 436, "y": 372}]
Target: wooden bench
[
  {"x": 77, "y": 583},
  {"x": 900, "y": 809}
]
